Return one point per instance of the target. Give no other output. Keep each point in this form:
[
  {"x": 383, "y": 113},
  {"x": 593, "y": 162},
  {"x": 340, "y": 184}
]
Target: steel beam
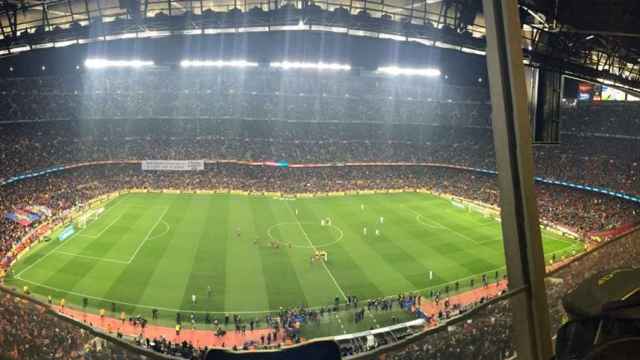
[
  {"x": 12, "y": 18},
  {"x": 86, "y": 8},
  {"x": 70, "y": 7},
  {"x": 514, "y": 159}
]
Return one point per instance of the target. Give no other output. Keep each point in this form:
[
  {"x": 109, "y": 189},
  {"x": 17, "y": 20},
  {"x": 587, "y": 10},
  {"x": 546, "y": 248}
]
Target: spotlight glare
[
  {"x": 217, "y": 63},
  {"x": 106, "y": 63},
  {"x": 395, "y": 70},
  {"x": 320, "y": 66}
]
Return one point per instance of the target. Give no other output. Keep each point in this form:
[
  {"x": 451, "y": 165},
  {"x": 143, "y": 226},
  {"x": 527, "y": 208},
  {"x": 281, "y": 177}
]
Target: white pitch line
[
  {"x": 315, "y": 249},
  {"x": 231, "y": 311},
  {"x": 92, "y": 257},
  {"x": 18, "y": 276},
  {"x": 425, "y": 223},
  {"x": 564, "y": 240},
  {"x": 227, "y": 311},
  {"x": 445, "y": 226},
  {"x": 168, "y": 228},
  {"x": 42, "y": 258},
  {"x": 142, "y": 305},
  {"x": 61, "y": 244},
  {"x": 112, "y": 206},
  {"x": 105, "y": 229},
  {"x": 147, "y": 237}
]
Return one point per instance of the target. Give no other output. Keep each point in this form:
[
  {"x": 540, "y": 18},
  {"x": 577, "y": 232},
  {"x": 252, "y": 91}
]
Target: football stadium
[{"x": 440, "y": 179}]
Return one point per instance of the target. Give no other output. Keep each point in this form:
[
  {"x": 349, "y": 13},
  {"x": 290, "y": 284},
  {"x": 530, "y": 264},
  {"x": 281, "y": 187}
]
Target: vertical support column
[
  {"x": 86, "y": 8},
  {"x": 99, "y": 9},
  {"x": 413, "y": 4},
  {"x": 4, "y": 35},
  {"x": 45, "y": 17},
  {"x": 12, "y": 17},
  {"x": 70, "y": 7},
  {"x": 514, "y": 159}
]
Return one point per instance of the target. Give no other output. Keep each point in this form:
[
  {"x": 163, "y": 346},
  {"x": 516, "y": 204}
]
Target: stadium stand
[
  {"x": 487, "y": 335},
  {"x": 583, "y": 211},
  {"x": 41, "y": 129},
  {"x": 452, "y": 128},
  {"x": 31, "y": 331}
]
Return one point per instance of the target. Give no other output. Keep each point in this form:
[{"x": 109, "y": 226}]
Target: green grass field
[{"x": 155, "y": 250}]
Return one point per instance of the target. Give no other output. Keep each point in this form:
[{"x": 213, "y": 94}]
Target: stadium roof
[
  {"x": 601, "y": 34},
  {"x": 51, "y": 13},
  {"x": 592, "y": 39}
]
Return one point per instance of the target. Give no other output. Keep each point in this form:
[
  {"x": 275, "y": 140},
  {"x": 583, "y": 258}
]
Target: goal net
[
  {"x": 482, "y": 209},
  {"x": 88, "y": 217}
]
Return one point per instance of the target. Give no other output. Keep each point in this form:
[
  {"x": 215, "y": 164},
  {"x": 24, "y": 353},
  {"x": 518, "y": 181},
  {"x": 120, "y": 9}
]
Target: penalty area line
[
  {"x": 92, "y": 257},
  {"x": 105, "y": 229},
  {"x": 135, "y": 253},
  {"x": 62, "y": 243},
  {"x": 42, "y": 258}
]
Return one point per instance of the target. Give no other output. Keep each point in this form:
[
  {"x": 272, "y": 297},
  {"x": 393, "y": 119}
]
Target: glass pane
[
  {"x": 486, "y": 334},
  {"x": 349, "y": 191}
]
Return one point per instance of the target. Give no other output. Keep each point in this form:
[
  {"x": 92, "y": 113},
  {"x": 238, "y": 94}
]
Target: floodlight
[
  {"x": 217, "y": 63},
  {"x": 285, "y": 65},
  {"x": 395, "y": 70},
  {"x": 106, "y": 63}
]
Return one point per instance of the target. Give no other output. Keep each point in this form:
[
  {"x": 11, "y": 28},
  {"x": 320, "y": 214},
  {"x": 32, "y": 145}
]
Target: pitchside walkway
[
  {"x": 202, "y": 338},
  {"x": 430, "y": 308},
  {"x": 198, "y": 338}
]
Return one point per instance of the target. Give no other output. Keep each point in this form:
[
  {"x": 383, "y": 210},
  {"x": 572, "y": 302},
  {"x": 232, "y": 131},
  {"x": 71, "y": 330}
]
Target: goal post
[
  {"x": 485, "y": 210},
  {"x": 88, "y": 217}
]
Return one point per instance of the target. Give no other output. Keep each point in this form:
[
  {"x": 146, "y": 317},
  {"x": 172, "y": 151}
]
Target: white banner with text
[{"x": 172, "y": 165}]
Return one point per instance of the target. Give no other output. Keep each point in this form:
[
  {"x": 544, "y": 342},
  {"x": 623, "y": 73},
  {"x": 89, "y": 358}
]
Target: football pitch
[{"x": 156, "y": 250}]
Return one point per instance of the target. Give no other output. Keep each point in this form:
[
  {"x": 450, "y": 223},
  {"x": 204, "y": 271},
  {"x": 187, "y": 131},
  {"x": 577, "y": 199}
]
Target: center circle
[{"x": 308, "y": 229}]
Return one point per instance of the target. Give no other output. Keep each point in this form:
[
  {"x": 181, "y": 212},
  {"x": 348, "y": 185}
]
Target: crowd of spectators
[
  {"x": 614, "y": 119},
  {"x": 249, "y": 94},
  {"x": 581, "y": 211},
  {"x": 488, "y": 334},
  {"x": 59, "y": 144},
  {"x": 265, "y": 115},
  {"x": 596, "y": 161},
  {"x": 304, "y": 117},
  {"x": 28, "y": 331},
  {"x": 183, "y": 349},
  {"x": 485, "y": 336}
]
